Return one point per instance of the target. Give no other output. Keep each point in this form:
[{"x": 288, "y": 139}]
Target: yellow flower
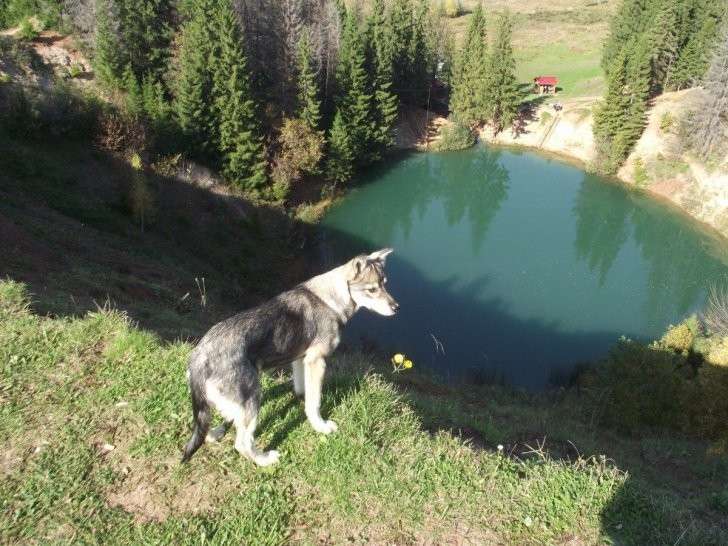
[
  {"x": 407, "y": 364},
  {"x": 398, "y": 358}
]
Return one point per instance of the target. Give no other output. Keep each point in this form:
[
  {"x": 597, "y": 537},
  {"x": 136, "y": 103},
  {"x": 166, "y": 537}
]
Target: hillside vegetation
[{"x": 95, "y": 410}]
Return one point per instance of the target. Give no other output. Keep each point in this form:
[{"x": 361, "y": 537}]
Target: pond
[{"x": 513, "y": 267}]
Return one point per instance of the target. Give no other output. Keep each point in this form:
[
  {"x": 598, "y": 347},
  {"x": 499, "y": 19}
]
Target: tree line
[
  {"x": 653, "y": 46},
  {"x": 266, "y": 91}
]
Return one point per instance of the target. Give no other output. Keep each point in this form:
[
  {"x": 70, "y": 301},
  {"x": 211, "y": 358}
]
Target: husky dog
[{"x": 300, "y": 327}]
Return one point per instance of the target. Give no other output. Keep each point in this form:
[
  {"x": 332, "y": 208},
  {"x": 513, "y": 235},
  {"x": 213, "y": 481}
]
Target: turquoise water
[{"x": 514, "y": 267}]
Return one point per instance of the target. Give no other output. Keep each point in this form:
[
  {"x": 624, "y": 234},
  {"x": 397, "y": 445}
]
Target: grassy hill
[{"x": 94, "y": 411}]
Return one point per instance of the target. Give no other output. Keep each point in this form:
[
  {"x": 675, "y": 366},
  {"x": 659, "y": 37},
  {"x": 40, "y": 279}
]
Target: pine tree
[
  {"x": 237, "y": 136},
  {"x": 502, "y": 96},
  {"x": 630, "y": 21},
  {"x": 418, "y": 54},
  {"x": 193, "y": 84},
  {"x": 134, "y": 100},
  {"x": 340, "y": 164},
  {"x": 155, "y": 104},
  {"x": 355, "y": 103},
  {"x": 694, "y": 58},
  {"x": 620, "y": 120},
  {"x": 400, "y": 21},
  {"x": 107, "y": 59},
  {"x": 380, "y": 54},
  {"x": 146, "y": 35},
  {"x": 468, "y": 99},
  {"x": 309, "y": 105}
]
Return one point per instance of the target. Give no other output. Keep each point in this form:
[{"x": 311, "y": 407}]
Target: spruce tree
[
  {"x": 501, "y": 93},
  {"x": 694, "y": 57},
  {"x": 355, "y": 103},
  {"x": 619, "y": 121},
  {"x": 237, "y": 135},
  {"x": 146, "y": 34},
  {"x": 134, "y": 100},
  {"x": 418, "y": 73},
  {"x": 380, "y": 55},
  {"x": 468, "y": 99},
  {"x": 309, "y": 105},
  {"x": 340, "y": 163},
  {"x": 107, "y": 61},
  {"x": 193, "y": 84},
  {"x": 155, "y": 104}
]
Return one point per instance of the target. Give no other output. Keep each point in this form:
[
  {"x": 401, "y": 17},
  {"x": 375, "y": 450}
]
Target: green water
[{"x": 508, "y": 265}]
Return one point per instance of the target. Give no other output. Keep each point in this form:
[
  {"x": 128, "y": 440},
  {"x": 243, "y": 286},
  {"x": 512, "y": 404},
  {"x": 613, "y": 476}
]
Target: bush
[
  {"x": 301, "y": 149},
  {"x": 27, "y": 30},
  {"x": 118, "y": 132},
  {"x": 679, "y": 338},
  {"x": 451, "y": 8},
  {"x": 640, "y": 173},
  {"x": 454, "y": 136},
  {"x": 637, "y": 386},
  {"x": 667, "y": 122},
  {"x": 61, "y": 112}
]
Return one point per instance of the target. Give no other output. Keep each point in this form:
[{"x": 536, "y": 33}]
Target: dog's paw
[
  {"x": 268, "y": 458},
  {"x": 325, "y": 427}
]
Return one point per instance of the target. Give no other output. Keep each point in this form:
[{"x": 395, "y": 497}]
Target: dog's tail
[{"x": 201, "y": 416}]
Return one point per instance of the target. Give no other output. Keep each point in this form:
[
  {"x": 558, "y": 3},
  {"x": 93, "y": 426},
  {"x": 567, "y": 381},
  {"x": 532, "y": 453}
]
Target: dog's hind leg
[
  {"x": 217, "y": 433},
  {"x": 298, "y": 377}
]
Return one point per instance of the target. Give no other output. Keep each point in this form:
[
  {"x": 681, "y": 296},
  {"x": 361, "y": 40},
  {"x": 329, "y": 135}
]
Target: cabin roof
[{"x": 546, "y": 80}]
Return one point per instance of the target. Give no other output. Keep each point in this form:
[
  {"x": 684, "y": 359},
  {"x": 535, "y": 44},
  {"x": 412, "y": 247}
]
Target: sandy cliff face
[{"x": 659, "y": 163}]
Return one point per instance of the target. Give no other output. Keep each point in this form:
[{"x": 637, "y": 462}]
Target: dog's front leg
[{"x": 314, "y": 367}]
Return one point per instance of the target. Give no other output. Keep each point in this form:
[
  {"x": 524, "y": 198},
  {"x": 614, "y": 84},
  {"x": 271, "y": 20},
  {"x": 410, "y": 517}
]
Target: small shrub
[
  {"x": 454, "y": 136},
  {"x": 679, "y": 338},
  {"x": 281, "y": 186},
  {"x": 75, "y": 70},
  {"x": 141, "y": 199},
  {"x": 718, "y": 352},
  {"x": 308, "y": 213},
  {"x": 636, "y": 387},
  {"x": 667, "y": 122},
  {"x": 5, "y": 78},
  {"x": 451, "y": 8},
  {"x": 27, "y": 30},
  {"x": 119, "y": 133},
  {"x": 301, "y": 149},
  {"x": 641, "y": 178}
]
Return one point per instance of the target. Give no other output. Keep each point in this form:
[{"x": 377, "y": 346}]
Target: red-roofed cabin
[{"x": 545, "y": 85}]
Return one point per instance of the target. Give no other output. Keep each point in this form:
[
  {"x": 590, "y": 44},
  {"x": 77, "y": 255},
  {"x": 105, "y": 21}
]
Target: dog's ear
[
  {"x": 357, "y": 265},
  {"x": 380, "y": 255}
]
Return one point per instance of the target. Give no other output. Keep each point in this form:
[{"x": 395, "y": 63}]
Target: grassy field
[
  {"x": 95, "y": 410},
  {"x": 562, "y": 38}
]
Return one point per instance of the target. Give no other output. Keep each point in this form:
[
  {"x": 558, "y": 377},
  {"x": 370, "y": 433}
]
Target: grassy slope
[
  {"x": 67, "y": 231},
  {"x": 394, "y": 473}
]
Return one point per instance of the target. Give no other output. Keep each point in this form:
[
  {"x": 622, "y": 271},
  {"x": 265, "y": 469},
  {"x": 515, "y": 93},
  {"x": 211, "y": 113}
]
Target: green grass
[
  {"x": 397, "y": 471},
  {"x": 578, "y": 70}
]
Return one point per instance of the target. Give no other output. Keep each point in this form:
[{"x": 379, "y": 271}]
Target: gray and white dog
[{"x": 301, "y": 327}]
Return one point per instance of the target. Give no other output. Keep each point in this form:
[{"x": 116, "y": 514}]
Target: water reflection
[{"x": 519, "y": 266}]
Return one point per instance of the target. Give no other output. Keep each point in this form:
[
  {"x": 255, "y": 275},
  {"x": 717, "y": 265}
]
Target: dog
[{"x": 301, "y": 327}]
